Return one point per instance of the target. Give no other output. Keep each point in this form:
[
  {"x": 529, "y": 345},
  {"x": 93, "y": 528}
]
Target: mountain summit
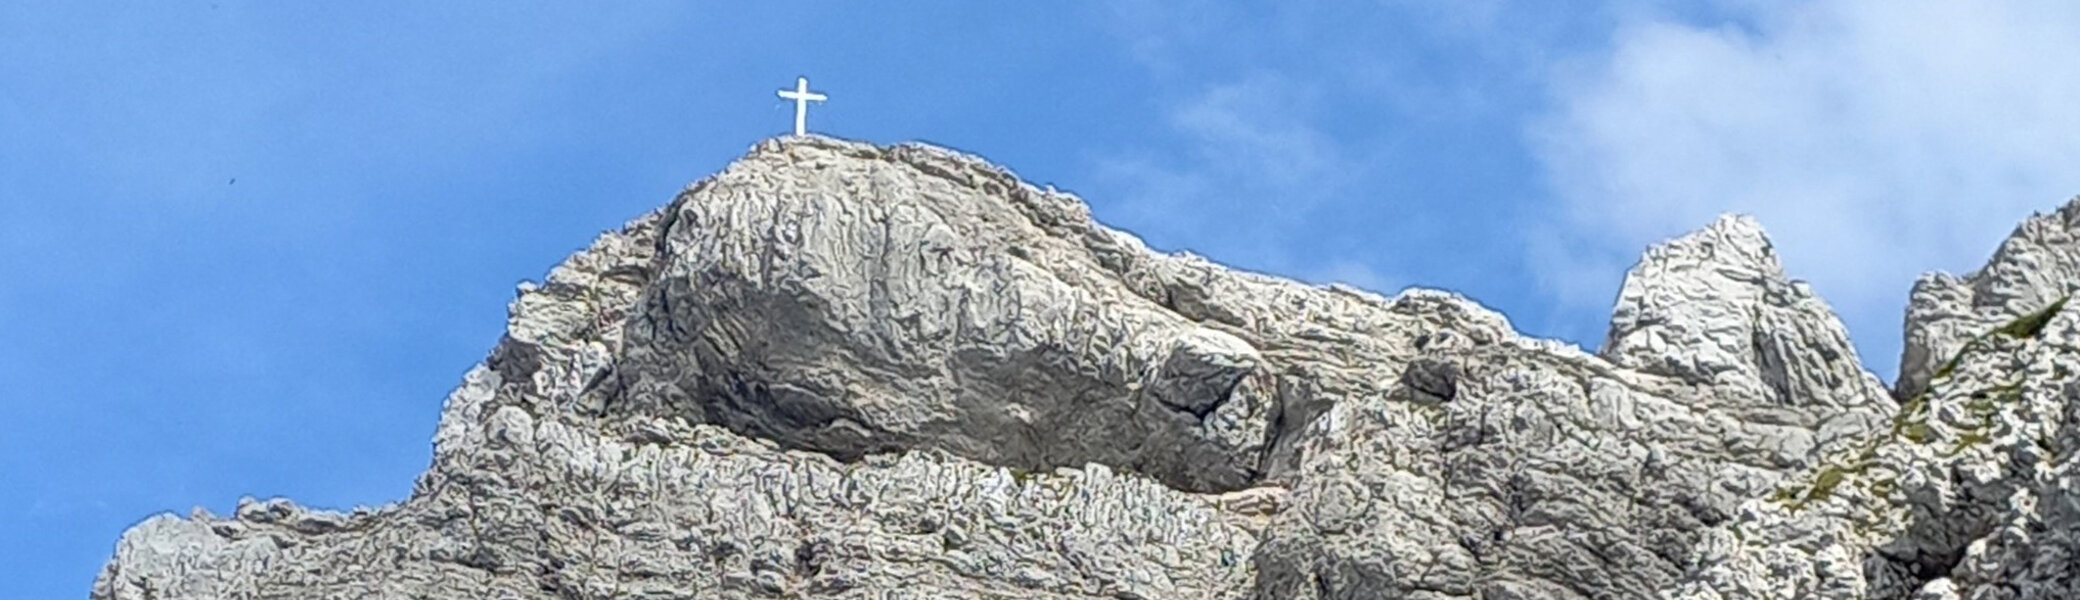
[{"x": 840, "y": 370}]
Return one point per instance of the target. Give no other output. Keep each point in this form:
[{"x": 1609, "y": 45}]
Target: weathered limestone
[
  {"x": 837, "y": 370},
  {"x": 2037, "y": 265},
  {"x": 1967, "y": 495},
  {"x": 1531, "y": 470},
  {"x": 1970, "y": 492}
]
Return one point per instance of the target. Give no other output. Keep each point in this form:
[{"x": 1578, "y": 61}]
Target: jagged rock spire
[{"x": 1715, "y": 308}]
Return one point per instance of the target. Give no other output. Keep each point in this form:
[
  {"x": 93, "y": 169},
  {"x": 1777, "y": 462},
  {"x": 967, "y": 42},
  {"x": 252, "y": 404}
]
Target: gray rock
[
  {"x": 2037, "y": 265},
  {"x": 1966, "y": 495},
  {"x": 1715, "y": 308},
  {"x": 1532, "y": 470},
  {"x": 849, "y": 371},
  {"x": 900, "y": 364},
  {"x": 1970, "y": 492}
]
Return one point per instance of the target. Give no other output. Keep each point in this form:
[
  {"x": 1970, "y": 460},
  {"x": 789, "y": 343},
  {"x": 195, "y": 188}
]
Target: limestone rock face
[
  {"x": 1971, "y": 490},
  {"x": 1970, "y": 493},
  {"x": 1531, "y": 470},
  {"x": 2037, "y": 265},
  {"x": 1716, "y": 308},
  {"x": 838, "y": 370},
  {"x": 851, "y": 301}
]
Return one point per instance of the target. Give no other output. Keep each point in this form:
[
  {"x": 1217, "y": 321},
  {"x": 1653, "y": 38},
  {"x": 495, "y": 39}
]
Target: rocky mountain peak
[
  {"x": 1683, "y": 288},
  {"x": 842, "y": 370},
  {"x": 1715, "y": 307}
]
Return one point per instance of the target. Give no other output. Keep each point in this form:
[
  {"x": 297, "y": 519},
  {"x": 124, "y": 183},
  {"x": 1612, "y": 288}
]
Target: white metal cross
[{"x": 802, "y": 97}]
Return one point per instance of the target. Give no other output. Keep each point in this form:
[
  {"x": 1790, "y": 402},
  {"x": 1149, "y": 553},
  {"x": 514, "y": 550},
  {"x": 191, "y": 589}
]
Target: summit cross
[{"x": 802, "y": 97}]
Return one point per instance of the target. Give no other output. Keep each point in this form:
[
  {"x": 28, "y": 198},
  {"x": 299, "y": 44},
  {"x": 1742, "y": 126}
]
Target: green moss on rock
[
  {"x": 1916, "y": 432},
  {"x": 1823, "y": 486},
  {"x": 2031, "y": 324}
]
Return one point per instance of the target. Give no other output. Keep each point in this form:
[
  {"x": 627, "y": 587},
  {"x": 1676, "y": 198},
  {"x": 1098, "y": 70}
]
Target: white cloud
[
  {"x": 1874, "y": 140},
  {"x": 1250, "y": 154},
  {"x": 1258, "y": 125}
]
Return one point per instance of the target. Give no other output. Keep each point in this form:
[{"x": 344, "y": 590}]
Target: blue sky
[{"x": 246, "y": 248}]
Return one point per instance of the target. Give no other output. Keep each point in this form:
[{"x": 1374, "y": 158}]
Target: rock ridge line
[{"x": 842, "y": 370}]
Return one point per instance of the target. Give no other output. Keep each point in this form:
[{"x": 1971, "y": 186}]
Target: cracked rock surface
[
  {"x": 1971, "y": 490},
  {"x": 2037, "y": 265},
  {"x": 840, "y": 370}
]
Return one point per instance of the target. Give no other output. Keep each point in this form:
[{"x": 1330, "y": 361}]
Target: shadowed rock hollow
[{"x": 838, "y": 370}]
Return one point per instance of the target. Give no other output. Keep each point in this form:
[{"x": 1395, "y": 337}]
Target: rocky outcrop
[
  {"x": 1970, "y": 492},
  {"x": 1715, "y": 308},
  {"x": 2037, "y": 265},
  {"x": 1531, "y": 470},
  {"x": 837, "y": 370}
]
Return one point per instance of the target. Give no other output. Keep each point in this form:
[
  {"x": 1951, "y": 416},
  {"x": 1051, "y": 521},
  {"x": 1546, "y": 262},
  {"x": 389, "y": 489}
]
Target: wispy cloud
[
  {"x": 1238, "y": 160},
  {"x": 1270, "y": 118},
  {"x": 1250, "y": 154},
  {"x": 1873, "y": 140}
]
